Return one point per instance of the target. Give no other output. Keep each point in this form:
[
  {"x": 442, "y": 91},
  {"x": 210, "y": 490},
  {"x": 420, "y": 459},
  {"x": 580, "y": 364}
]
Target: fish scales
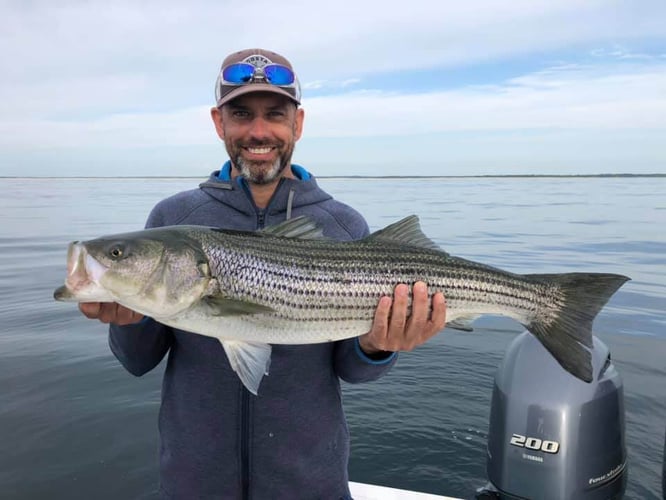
[{"x": 320, "y": 275}]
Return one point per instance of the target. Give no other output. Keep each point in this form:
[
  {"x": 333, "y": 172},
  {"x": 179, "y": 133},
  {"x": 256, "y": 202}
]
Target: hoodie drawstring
[{"x": 290, "y": 202}]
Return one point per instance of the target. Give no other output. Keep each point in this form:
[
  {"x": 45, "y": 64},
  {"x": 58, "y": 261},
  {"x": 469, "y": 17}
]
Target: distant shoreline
[{"x": 488, "y": 176}]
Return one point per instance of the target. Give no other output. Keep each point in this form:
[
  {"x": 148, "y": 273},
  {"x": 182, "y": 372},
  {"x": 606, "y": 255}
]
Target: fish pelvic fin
[
  {"x": 566, "y": 329},
  {"x": 250, "y": 360}
]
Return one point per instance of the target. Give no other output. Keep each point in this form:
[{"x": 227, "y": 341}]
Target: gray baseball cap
[{"x": 259, "y": 58}]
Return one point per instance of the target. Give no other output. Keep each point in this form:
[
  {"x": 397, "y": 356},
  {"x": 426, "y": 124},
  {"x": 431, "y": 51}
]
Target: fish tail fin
[{"x": 565, "y": 329}]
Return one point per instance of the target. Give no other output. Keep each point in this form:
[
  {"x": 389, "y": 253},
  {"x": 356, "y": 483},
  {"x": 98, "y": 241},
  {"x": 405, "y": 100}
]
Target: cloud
[
  {"x": 123, "y": 74},
  {"x": 344, "y": 39},
  {"x": 563, "y": 97},
  {"x": 330, "y": 84}
]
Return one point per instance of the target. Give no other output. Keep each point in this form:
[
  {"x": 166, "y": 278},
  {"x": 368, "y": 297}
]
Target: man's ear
[
  {"x": 216, "y": 115},
  {"x": 298, "y": 124}
]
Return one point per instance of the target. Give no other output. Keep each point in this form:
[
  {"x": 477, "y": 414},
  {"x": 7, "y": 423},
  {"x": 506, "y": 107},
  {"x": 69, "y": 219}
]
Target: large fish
[{"x": 289, "y": 285}]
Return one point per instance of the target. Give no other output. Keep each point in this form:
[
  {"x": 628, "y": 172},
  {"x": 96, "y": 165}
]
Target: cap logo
[{"x": 257, "y": 60}]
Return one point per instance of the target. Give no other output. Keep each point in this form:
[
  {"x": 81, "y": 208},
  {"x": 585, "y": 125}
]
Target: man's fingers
[
  {"x": 375, "y": 339},
  {"x": 127, "y": 316},
  {"x": 394, "y": 330},
  {"x": 90, "y": 310},
  {"x": 109, "y": 312},
  {"x": 438, "y": 315},
  {"x": 418, "y": 321},
  {"x": 398, "y": 311}
]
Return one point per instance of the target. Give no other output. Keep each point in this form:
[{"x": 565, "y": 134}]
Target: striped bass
[{"x": 288, "y": 284}]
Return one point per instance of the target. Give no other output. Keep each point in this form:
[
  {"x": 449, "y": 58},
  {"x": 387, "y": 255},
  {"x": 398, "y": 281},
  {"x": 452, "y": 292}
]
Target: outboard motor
[{"x": 551, "y": 435}]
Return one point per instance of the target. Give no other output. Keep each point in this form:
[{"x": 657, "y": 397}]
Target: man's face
[{"x": 259, "y": 131}]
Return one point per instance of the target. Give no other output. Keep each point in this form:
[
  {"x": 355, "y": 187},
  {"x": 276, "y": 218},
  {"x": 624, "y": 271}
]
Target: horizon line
[{"x": 344, "y": 176}]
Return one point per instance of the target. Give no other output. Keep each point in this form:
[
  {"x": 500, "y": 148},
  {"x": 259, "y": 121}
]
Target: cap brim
[{"x": 254, "y": 87}]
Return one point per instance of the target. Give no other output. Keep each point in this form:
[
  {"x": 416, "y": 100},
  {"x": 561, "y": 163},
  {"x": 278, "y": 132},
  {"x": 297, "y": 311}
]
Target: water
[{"x": 74, "y": 424}]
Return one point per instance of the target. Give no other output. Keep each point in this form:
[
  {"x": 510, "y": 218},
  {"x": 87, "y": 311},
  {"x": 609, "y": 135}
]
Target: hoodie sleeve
[
  {"x": 140, "y": 347},
  {"x": 352, "y": 365}
]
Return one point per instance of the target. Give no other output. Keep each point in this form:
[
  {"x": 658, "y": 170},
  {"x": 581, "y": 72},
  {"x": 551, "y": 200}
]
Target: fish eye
[{"x": 116, "y": 252}]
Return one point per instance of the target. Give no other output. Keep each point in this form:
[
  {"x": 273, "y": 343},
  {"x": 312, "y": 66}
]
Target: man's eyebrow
[
  {"x": 281, "y": 105},
  {"x": 237, "y": 106}
]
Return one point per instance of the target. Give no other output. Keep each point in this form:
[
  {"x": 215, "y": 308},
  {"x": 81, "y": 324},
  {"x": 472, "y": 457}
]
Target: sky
[{"x": 480, "y": 87}]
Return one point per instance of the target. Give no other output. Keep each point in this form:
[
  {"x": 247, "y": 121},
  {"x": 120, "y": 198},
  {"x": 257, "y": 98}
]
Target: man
[{"x": 290, "y": 441}]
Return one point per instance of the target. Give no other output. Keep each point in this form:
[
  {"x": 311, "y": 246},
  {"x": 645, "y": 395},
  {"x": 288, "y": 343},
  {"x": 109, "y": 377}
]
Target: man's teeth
[{"x": 260, "y": 151}]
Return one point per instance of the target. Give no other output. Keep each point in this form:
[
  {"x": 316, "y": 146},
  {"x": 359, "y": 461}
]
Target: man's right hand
[{"x": 110, "y": 312}]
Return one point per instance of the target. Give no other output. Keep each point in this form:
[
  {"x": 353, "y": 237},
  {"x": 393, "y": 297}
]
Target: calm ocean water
[{"x": 74, "y": 424}]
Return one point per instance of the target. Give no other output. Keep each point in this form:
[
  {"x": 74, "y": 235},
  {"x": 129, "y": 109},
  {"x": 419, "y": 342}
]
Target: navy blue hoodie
[{"x": 218, "y": 441}]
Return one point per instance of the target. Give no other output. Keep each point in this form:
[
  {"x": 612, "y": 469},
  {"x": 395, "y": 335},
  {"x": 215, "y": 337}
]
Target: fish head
[{"x": 157, "y": 272}]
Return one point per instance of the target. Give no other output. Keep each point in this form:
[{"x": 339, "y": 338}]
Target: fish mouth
[{"x": 83, "y": 275}]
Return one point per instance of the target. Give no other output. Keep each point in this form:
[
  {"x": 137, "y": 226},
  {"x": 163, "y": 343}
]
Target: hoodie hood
[{"x": 290, "y": 194}]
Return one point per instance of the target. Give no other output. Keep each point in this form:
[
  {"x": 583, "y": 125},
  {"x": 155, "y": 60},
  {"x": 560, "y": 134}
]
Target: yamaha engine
[{"x": 551, "y": 435}]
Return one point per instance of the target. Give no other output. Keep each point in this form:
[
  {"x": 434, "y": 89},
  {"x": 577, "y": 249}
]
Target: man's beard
[{"x": 259, "y": 172}]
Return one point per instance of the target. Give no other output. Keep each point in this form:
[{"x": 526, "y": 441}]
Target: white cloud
[
  {"x": 327, "y": 40},
  {"x": 567, "y": 97}
]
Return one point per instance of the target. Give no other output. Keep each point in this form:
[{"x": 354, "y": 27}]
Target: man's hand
[
  {"x": 393, "y": 331},
  {"x": 110, "y": 312}
]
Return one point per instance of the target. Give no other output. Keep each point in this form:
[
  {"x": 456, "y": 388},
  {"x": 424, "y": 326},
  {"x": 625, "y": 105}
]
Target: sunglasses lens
[
  {"x": 278, "y": 74},
  {"x": 238, "y": 73}
]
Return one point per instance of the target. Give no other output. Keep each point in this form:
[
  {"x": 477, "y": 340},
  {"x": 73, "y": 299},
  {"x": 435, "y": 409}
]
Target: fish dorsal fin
[
  {"x": 406, "y": 232},
  {"x": 302, "y": 227}
]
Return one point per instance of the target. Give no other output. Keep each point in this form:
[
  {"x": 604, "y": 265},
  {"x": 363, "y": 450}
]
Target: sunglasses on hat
[{"x": 242, "y": 73}]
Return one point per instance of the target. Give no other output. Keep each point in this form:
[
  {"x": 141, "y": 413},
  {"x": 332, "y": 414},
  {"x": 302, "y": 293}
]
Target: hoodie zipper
[
  {"x": 245, "y": 411},
  {"x": 245, "y": 443}
]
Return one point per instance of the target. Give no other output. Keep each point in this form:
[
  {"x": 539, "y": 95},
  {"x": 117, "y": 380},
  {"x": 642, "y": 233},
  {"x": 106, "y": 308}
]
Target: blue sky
[{"x": 390, "y": 88}]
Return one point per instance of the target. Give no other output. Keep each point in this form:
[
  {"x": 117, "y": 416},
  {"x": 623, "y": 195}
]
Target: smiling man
[{"x": 218, "y": 440}]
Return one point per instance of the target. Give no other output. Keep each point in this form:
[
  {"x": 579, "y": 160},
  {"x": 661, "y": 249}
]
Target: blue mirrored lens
[
  {"x": 278, "y": 74},
  {"x": 238, "y": 73}
]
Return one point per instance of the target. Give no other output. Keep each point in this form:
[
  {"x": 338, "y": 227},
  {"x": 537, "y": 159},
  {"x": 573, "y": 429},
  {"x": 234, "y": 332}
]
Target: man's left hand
[{"x": 392, "y": 330}]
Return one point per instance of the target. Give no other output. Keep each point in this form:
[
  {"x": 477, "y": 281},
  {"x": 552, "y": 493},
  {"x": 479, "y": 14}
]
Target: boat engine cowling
[{"x": 551, "y": 435}]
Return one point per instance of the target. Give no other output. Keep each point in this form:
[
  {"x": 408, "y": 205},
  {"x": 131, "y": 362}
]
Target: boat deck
[{"x": 362, "y": 491}]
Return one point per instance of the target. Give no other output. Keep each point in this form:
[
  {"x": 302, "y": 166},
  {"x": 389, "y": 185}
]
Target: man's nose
[{"x": 259, "y": 128}]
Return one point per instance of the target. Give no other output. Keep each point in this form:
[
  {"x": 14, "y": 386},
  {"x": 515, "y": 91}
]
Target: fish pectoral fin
[
  {"x": 250, "y": 360},
  {"x": 223, "y": 306},
  {"x": 464, "y": 323}
]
